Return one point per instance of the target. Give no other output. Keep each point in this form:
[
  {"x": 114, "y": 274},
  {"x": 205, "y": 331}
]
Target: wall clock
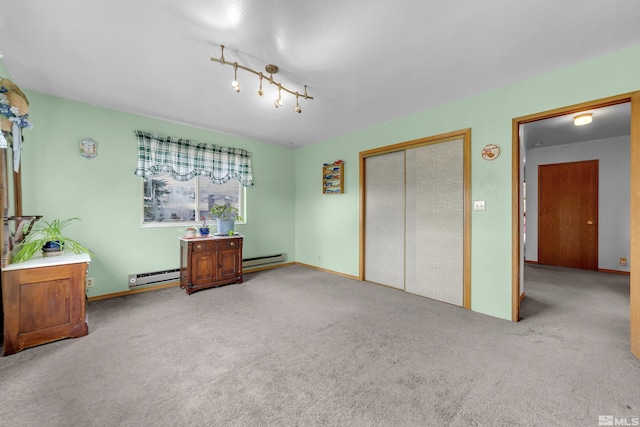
[{"x": 88, "y": 148}]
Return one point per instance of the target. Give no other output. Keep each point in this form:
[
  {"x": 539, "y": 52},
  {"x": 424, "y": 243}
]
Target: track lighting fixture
[{"x": 271, "y": 70}]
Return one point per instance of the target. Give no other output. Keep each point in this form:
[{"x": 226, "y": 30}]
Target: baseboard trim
[
  {"x": 244, "y": 271},
  {"x": 172, "y": 284},
  {"x": 521, "y": 296},
  {"x": 604, "y": 270},
  {"x": 348, "y": 276},
  {"x": 134, "y": 291},
  {"x": 601, "y": 270}
]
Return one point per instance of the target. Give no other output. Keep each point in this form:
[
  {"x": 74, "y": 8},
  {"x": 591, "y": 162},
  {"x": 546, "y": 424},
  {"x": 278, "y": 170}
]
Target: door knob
[{"x": 590, "y": 222}]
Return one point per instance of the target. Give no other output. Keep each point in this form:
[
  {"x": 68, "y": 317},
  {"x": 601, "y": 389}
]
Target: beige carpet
[{"x": 295, "y": 346}]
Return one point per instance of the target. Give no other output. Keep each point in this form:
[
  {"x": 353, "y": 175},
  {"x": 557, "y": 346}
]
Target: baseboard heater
[
  {"x": 153, "y": 278},
  {"x": 269, "y": 259},
  {"x": 166, "y": 276}
]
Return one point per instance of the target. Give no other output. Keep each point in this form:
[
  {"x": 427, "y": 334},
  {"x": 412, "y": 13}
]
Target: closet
[{"x": 416, "y": 223}]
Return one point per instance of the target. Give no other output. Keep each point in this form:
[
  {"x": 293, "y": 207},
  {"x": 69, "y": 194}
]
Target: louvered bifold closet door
[
  {"x": 384, "y": 211},
  {"x": 435, "y": 221}
]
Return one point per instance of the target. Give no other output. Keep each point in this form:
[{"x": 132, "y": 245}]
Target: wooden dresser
[
  {"x": 44, "y": 300},
  {"x": 206, "y": 262}
]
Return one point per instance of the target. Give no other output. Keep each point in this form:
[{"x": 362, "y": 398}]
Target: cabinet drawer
[
  {"x": 207, "y": 246},
  {"x": 229, "y": 243}
]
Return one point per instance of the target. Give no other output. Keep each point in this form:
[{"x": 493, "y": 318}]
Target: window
[
  {"x": 171, "y": 202},
  {"x": 183, "y": 179}
]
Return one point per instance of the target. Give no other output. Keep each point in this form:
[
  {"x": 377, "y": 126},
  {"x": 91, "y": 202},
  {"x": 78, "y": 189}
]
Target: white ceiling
[
  {"x": 364, "y": 61},
  {"x": 608, "y": 122}
]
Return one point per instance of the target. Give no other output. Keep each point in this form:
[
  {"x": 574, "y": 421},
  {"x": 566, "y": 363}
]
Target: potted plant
[
  {"x": 226, "y": 216},
  {"x": 48, "y": 238}
]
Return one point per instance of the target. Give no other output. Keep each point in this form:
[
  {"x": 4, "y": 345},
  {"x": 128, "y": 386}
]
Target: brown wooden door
[{"x": 568, "y": 214}]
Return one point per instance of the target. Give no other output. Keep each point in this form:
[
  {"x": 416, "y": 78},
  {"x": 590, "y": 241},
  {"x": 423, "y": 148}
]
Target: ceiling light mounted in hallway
[
  {"x": 271, "y": 70},
  {"x": 582, "y": 119}
]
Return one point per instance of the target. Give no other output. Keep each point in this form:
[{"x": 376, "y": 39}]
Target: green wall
[
  {"x": 327, "y": 225},
  {"x": 286, "y": 210},
  {"x": 107, "y": 196}
]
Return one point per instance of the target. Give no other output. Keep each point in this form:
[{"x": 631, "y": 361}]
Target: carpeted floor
[{"x": 299, "y": 347}]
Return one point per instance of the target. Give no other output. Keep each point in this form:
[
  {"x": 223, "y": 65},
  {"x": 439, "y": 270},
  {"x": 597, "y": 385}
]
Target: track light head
[
  {"x": 234, "y": 84},
  {"x": 297, "y": 109},
  {"x": 278, "y": 102},
  {"x": 222, "y": 61},
  {"x": 260, "y": 91}
]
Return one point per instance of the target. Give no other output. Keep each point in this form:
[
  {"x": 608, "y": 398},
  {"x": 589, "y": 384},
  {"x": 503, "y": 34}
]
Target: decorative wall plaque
[{"x": 490, "y": 152}]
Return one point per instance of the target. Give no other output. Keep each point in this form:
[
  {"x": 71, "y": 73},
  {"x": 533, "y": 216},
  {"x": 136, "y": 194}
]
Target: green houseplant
[
  {"x": 226, "y": 216},
  {"x": 48, "y": 237}
]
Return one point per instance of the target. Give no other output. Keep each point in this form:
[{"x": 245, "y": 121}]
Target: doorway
[
  {"x": 568, "y": 214},
  {"x": 634, "y": 234}
]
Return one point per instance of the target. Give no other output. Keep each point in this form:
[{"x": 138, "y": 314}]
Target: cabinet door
[
  {"x": 43, "y": 304},
  {"x": 228, "y": 264},
  {"x": 202, "y": 267}
]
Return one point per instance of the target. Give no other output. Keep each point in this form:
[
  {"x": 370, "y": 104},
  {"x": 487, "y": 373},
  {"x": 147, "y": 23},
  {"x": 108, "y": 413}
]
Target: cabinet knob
[
  {"x": 233, "y": 243},
  {"x": 199, "y": 247}
]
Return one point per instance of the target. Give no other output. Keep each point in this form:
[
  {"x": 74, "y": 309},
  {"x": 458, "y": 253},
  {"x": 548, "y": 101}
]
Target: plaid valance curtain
[{"x": 185, "y": 159}]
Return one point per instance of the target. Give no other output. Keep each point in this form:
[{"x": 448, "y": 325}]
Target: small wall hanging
[
  {"x": 333, "y": 177},
  {"x": 490, "y": 152},
  {"x": 88, "y": 148}
]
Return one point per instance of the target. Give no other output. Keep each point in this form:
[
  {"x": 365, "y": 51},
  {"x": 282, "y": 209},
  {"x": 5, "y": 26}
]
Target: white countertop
[
  {"x": 39, "y": 261},
  {"x": 210, "y": 237}
]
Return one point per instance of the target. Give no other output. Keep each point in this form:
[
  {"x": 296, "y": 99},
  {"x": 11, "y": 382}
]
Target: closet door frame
[{"x": 465, "y": 135}]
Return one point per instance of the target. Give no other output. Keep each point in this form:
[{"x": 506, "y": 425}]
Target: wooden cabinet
[
  {"x": 44, "y": 300},
  {"x": 206, "y": 262},
  {"x": 333, "y": 178}
]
